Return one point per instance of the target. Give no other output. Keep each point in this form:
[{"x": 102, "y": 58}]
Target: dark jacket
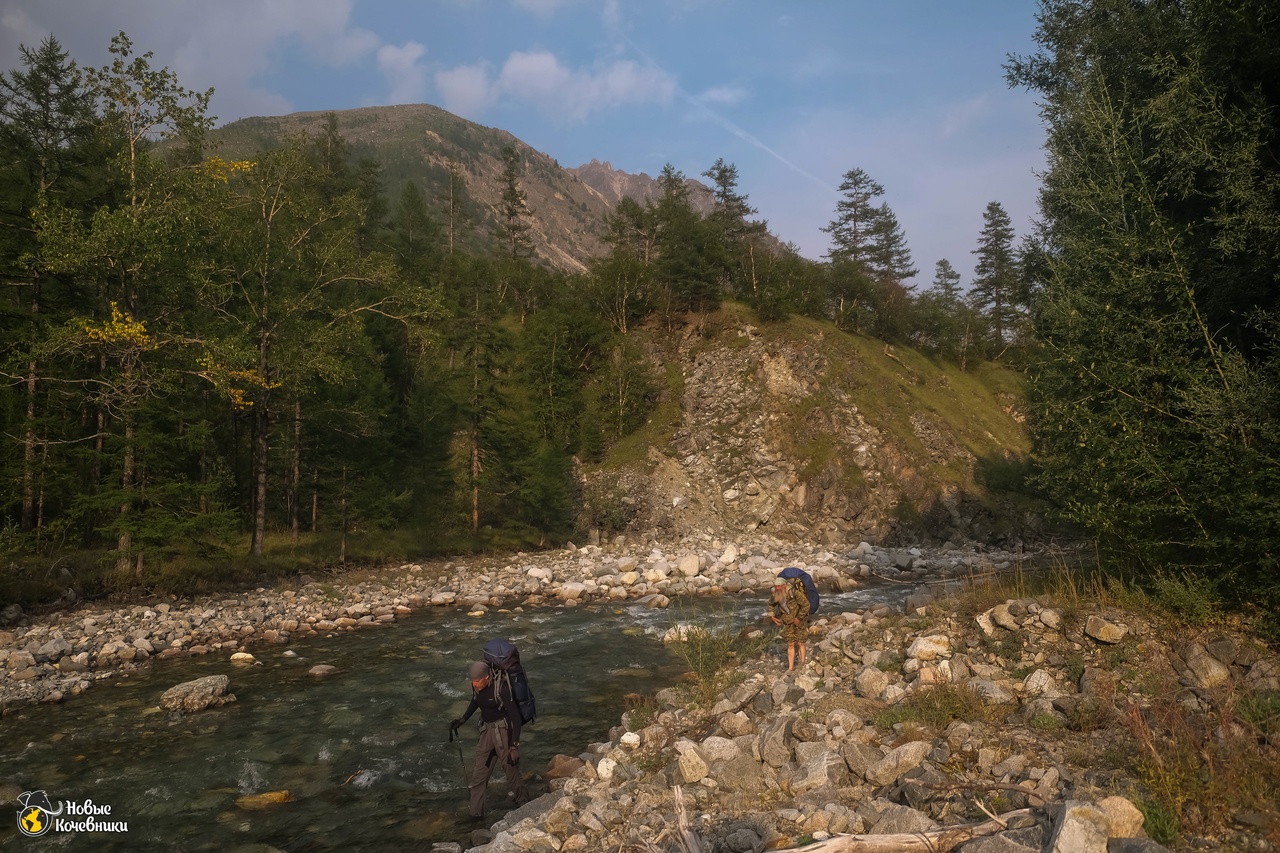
[{"x": 495, "y": 703}]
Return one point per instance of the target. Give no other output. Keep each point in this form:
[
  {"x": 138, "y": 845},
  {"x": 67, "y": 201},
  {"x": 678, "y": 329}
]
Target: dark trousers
[{"x": 492, "y": 746}]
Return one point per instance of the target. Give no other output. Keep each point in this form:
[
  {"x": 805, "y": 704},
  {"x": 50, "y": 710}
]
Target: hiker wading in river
[{"x": 499, "y": 736}]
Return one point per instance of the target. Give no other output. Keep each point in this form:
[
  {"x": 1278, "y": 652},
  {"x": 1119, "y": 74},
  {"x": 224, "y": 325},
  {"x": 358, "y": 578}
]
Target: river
[{"x": 364, "y": 753}]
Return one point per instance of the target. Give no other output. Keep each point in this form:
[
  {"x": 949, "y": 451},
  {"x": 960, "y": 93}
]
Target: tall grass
[
  {"x": 1204, "y": 762},
  {"x": 711, "y": 645}
]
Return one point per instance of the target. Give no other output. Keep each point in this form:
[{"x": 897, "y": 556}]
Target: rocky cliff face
[
  {"x": 615, "y": 185},
  {"x": 810, "y": 434}
]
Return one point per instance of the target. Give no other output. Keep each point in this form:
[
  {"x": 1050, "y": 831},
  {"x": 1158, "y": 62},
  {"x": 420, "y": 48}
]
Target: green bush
[
  {"x": 936, "y": 707},
  {"x": 710, "y": 646}
]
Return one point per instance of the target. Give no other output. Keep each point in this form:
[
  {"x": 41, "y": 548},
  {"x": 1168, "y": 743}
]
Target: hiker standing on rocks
[
  {"x": 789, "y": 608},
  {"x": 499, "y": 736}
]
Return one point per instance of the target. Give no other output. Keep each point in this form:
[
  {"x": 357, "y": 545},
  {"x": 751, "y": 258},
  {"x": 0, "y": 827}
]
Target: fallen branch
[
  {"x": 931, "y": 841},
  {"x": 685, "y": 836}
]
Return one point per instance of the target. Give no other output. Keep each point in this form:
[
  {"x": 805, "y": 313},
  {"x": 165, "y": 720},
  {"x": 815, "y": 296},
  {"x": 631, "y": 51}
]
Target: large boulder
[{"x": 207, "y": 692}]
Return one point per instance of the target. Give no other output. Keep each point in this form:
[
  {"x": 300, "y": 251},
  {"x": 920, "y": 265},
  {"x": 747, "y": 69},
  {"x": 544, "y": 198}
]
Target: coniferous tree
[
  {"x": 514, "y": 213},
  {"x": 996, "y": 285},
  {"x": 46, "y": 147},
  {"x": 684, "y": 266},
  {"x": 870, "y": 261}
]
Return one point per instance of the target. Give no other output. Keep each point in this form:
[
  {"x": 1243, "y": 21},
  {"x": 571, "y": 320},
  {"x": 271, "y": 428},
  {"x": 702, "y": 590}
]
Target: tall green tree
[
  {"x": 47, "y": 137},
  {"x": 684, "y": 251},
  {"x": 1154, "y": 405},
  {"x": 292, "y": 290},
  {"x": 132, "y": 253},
  {"x": 869, "y": 260},
  {"x": 513, "y": 209},
  {"x": 997, "y": 291},
  {"x": 944, "y": 321}
]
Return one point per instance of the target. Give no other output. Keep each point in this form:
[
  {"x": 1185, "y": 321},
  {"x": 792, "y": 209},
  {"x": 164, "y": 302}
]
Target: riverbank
[
  {"x": 52, "y": 657},
  {"x": 1028, "y": 725}
]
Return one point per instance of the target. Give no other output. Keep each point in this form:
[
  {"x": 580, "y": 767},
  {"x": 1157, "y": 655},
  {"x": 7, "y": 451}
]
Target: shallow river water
[{"x": 364, "y": 753}]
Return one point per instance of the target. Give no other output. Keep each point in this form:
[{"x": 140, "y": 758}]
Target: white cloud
[
  {"x": 723, "y": 95},
  {"x": 540, "y": 79},
  {"x": 405, "y": 73},
  {"x": 227, "y": 45},
  {"x": 467, "y": 90}
]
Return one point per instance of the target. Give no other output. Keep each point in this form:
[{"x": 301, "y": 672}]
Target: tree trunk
[
  {"x": 295, "y": 487},
  {"x": 125, "y": 542},
  {"x": 29, "y": 454},
  {"x": 475, "y": 482},
  {"x": 261, "y": 424}
]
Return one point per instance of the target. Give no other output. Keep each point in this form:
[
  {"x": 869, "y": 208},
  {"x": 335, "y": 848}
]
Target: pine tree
[
  {"x": 870, "y": 261},
  {"x": 514, "y": 213},
  {"x": 684, "y": 265},
  {"x": 996, "y": 286}
]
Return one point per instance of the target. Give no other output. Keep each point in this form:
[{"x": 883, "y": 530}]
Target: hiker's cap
[{"x": 478, "y": 670}]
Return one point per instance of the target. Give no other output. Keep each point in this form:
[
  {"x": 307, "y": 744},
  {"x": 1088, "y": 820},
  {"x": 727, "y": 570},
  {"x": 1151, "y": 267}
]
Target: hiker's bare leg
[
  {"x": 791, "y": 656},
  {"x": 801, "y": 653}
]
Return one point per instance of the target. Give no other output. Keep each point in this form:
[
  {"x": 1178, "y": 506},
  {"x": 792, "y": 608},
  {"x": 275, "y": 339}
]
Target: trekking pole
[{"x": 462, "y": 761}]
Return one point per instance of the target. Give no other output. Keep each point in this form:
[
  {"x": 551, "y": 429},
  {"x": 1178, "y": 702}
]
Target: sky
[{"x": 794, "y": 93}]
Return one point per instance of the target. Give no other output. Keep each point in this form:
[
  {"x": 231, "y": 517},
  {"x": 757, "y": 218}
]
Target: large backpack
[
  {"x": 504, "y": 665},
  {"x": 793, "y": 574}
]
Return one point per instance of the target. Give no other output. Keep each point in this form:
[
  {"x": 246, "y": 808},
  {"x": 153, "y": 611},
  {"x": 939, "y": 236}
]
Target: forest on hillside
[
  {"x": 202, "y": 351},
  {"x": 206, "y": 358}
]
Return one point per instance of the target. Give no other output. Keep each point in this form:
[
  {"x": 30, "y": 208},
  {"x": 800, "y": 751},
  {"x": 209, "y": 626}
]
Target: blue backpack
[
  {"x": 504, "y": 666},
  {"x": 810, "y": 588}
]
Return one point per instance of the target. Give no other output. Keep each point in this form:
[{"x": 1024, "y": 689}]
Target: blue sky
[{"x": 793, "y": 93}]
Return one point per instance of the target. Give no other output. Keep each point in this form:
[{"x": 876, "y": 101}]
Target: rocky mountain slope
[
  {"x": 615, "y": 185},
  {"x": 810, "y": 434},
  {"x": 420, "y": 142}
]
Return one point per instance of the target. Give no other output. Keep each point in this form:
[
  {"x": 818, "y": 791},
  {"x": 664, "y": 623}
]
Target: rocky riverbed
[
  {"x": 833, "y": 750},
  {"x": 50, "y": 657},
  {"x": 779, "y": 757}
]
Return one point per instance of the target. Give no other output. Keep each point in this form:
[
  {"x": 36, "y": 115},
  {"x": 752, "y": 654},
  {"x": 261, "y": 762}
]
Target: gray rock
[
  {"x": 1001, "y": 615},
  {"x": 859, "y": 757},
  {"x": 871, "y": 682},
  {"x": 197, "y": 695},
  {"x": 1028, "y": 840},
  {"x": 1103, "y": 631},
  {"x": 896, "y": 764},
  {"x": 1204, "y": 670},
  {"x": 1078, "y": 827},
  {"x": 742, "y": 775},
  {"x": 54, "y": 649},
  {"x": 819, "y": 767},
  {"x": 773, "y": 745},
  {"x": 743, "y": 840},
  {"x": 1223, "y": 649},
  {"x": 992, "y": 692},
  {"x": 896, "y": 819}
]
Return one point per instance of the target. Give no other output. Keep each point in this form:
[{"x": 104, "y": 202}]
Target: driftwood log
[{"x": 931, "y": 841}]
